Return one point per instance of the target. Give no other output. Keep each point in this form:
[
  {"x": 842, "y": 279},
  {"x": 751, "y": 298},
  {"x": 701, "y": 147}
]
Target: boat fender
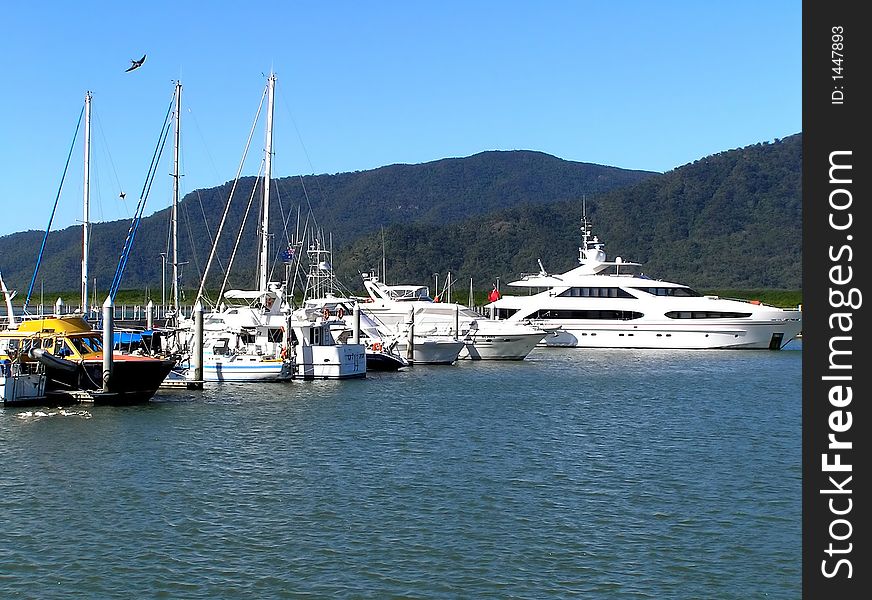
[
  {"x": 340, "y": 313},
  {"x": 326, "y": 313},
  {"x": 50, "y": 360}
]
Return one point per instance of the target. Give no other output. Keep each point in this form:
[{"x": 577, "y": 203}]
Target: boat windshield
[
  {"x": 87, "y": 344},
  {"x": 406, "y": 293}
]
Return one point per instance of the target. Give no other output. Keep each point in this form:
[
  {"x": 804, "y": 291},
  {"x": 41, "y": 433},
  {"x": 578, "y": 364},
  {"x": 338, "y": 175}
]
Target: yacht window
[
  {"x": 595, "y": 292},
  {"x": 505, "y": 313},
  {"x": 682, "y": 292},
  {"x": 705, "y": 314},
  {"x": 608, "y": 315},
  {"x": 274, "y": 334}
]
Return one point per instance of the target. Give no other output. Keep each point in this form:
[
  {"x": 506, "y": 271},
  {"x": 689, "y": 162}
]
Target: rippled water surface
[{"x": 596, "y": 474}]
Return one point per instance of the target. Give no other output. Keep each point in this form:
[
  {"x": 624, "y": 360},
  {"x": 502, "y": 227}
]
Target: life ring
[
  {"x": 284, "y": 353},
  {"x": 376, "y": 347},
  {"x": 340, "y": 312},
  {"x": 326, "y": 313}
]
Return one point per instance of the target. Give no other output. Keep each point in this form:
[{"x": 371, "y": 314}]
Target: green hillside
[{"x": 727, "y": 221}]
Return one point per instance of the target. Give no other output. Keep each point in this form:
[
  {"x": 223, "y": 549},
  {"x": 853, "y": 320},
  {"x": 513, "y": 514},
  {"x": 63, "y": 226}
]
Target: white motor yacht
[
  {"x": 401, "y": 306},
  {"x": 387, "y": 348},
  {"x": 602, "y": 304}
]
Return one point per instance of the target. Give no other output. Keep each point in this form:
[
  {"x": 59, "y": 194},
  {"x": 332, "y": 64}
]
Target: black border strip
[{"x": 836, "y": 557}]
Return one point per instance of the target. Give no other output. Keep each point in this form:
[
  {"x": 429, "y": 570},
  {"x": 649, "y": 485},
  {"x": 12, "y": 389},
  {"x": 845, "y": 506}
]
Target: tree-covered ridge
[
  {"x": 346, "y": 206},
  {"x": 731, "y": 220},
  {"x": 727, "y": 221}
]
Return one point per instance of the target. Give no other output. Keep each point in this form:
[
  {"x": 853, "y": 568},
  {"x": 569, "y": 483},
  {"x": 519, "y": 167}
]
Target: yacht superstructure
[{"x": 602, "y": 304}]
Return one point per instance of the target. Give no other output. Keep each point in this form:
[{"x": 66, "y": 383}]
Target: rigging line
[
  {"x": 230, "y": 199},
  {"x": 284, "y": 228},
  {"x": 305, "y": 152},
  {"x": 206, "y": 146},
  {"x": 111, "y": 162},
  {"x": 140, "y": 207},
  {"x": 298, "y": 274},
  {"x": 192, "y": 115},
  {"x": 241, "y": 230},
  {"x": 191, "y": 241},
  {"x": 208, "y": 230},
  {"x": 53, "y": 210}
]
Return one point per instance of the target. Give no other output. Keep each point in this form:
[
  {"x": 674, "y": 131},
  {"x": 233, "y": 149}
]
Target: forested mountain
[
  {"x": 730, "y": 220},
  {"x": 345, "y": 206}
]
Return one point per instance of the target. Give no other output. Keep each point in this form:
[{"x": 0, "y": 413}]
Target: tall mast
[
  {"x": 267, "y": 172},
  {"x": 175, "y": 212},
  {"x": 86, "y": 210}
]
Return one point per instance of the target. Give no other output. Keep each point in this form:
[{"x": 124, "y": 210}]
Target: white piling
[
  {"x": 457, "y": 322},
  {"x": 149, "y": 315},
  {"x": 355, "y": 319},
  {"x": 197, "y": 350},
  {"x": 108, "y": 342},
  {"x": 410, "y": 349}
]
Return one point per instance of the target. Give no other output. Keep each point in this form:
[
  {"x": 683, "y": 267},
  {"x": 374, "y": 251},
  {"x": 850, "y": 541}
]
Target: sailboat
[
  {"x": 68, "y": 348},
  {"x": 253, "y": 335}
]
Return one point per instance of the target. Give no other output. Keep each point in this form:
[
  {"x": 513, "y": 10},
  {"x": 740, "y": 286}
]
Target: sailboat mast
[
  {"x": 86, "y": 205},
  {"x": 175, "y": 214},
  {"x": 267, "y": 172}
]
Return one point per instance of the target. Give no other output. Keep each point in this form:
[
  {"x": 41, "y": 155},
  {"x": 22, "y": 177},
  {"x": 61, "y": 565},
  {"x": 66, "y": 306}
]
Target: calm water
[{"x": 595, "y": 474}]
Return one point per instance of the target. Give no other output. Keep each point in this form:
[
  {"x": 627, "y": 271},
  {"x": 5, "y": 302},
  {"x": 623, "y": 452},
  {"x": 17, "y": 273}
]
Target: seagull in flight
[{"x": 135, "y": 64}]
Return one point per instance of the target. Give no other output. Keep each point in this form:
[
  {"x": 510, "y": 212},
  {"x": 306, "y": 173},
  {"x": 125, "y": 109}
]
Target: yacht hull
[
  {"x": 433, "y": 352},
  {"x": 739, "y": 336},
  {"x": 500, "y": 347},
  {"x": 383, "y": 361},
  {"x": 233, "y": 370},
  {"x": 342, "y": 361},
  {"x": 134, "y": 379}
]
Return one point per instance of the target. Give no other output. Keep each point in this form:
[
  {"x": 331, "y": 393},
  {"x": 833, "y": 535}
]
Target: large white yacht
[
  {"x": 602, "y": 304},
  {"x": 401, "y": 306}
]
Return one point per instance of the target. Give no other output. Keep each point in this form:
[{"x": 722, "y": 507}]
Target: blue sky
[{"x": 632, "y": 84}]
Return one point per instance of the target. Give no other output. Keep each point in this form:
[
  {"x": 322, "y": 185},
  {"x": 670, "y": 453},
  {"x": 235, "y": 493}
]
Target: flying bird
[{"x": 135, "y": 64}]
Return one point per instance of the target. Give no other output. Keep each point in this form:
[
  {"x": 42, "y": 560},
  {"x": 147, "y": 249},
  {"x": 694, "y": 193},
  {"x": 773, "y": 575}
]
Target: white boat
[
  {"x": 603, "y": 304},
  {"x": 381, "y": 346},
  {"x": 387, "y": 347},
  {"x": 404, "y": 306},
  {"x": 255, "y": 336},
  {"x": 22, "y": 383},
  {"x": 246, "y": 340}
]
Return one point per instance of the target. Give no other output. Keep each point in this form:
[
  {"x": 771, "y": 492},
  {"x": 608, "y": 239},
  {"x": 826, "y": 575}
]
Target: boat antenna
[
  {"x": 585, "y": 230},
  {"x": 384, "y": 263}
]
